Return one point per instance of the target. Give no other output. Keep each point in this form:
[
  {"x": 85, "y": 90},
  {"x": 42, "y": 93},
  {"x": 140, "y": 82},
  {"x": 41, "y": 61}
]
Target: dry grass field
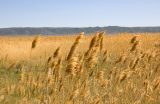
[
  {"x": 17, "y": 48},
  {"x": 80, "y": 69}
]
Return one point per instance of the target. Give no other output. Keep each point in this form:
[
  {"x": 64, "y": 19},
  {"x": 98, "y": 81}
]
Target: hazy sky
[{"x": 79, "y": 13}]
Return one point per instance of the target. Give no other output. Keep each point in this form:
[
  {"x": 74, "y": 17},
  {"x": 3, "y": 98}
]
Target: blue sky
[{"x": 79, "y": 13}]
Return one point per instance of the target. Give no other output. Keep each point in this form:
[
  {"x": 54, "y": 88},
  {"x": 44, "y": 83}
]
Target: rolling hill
[{"x": 69, "y": 30}]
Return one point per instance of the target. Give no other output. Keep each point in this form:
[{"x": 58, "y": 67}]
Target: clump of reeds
[
  {"x": 95, "y": 46},
  {"x": 86, "y": 78}
]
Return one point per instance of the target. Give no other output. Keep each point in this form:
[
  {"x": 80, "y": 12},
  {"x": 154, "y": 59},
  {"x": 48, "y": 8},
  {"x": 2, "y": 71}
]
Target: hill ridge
[{"x": 73, "y": 30}]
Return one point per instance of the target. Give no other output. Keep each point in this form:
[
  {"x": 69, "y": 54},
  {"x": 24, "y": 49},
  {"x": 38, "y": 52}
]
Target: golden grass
[
  {"x": 17, "y": 48},
  {"x": 96, "y": 69}
]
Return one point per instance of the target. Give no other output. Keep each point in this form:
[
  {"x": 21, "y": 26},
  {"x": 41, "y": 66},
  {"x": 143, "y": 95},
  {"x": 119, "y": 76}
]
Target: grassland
[{"x": 80, "y": 69}]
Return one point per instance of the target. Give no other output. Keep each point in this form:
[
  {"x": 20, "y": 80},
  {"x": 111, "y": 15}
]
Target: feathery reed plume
[
  {"x": 93, "y": 58},
  {"x": 34, "y": 42},
  {"x": 92, "y": 44},
  {"x": 94, "y": 41},
  {"x": 105, "y": 52},
  {"x": 134, "y": 47},
  {"x": 101, "y": 40},
  {"x": 52, "y": 60},
  {"x": 56, "y": 53},
  {"x": 79, "y": 66},
  {"x": 134, "y": 39},
  {"x": 91, "y": 55},
  {"x": 75, "y": 45},
  {"x": 49, "y": 60},
  {"x": 105, "y": 56},
  {"x": 57, "y": 69},
  {"x": 134, "y": 42},
  {"x": 71, "y": 67}
]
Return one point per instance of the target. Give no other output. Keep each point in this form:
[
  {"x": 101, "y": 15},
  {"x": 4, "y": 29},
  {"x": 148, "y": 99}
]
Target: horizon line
[{"x": 74, "y": 26}]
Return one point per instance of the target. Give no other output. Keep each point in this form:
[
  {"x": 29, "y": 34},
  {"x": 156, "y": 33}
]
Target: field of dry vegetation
[{"x": 80, "y": 69}]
